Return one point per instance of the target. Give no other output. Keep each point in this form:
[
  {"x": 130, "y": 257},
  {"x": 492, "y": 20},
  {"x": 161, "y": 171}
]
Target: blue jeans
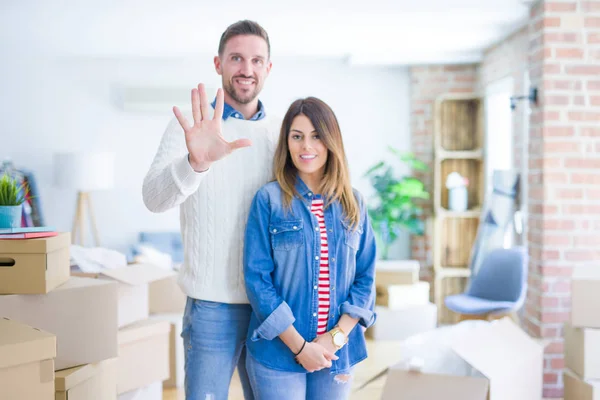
[
  {"x": 214, "y": 337},
  {"x": 271, "y": 384}
]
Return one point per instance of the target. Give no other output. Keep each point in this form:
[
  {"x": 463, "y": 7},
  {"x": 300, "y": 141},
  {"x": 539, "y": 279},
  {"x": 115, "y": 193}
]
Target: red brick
[
  {"x": 551, "y": 115},
  {"x": 572, "y": 53},
  {"x": 551, "y": 302},
  {"x": 549, "y": 331},
  {"x": 555, "y": 347},
  {"x": 550, "y": 378},
  {"x": 558, "y": 225},
  {"x": 583, "y": 70},
  {"x": 559, "y": 7},
  {"x": 549, "y": 69},
  {"x": 556, "y": 240},
  {"x": 557, "y": 363},
  {"x": 561, "y": 147},
  {"x": 581, "y": 178},
  {"x": 590, "y": 6},
  {"x": 461, "y": 90},
  {"x": 581, "y": 255},
  {"x": 577, "y": 209},
  {"x": 556, "y": 100},
  {"x": 595, "y": 100},
  {"x": 553, "y": 392},
  {"x": 583, "y": 116},
  {"x": 557, "y": 37},
  {"x": 569, "y": 194},
  {"x": 550, "y": 255},
  {"x": 582, "y": 163},
  {"x": 584, "y": 241},
  {"x": 593, "y": 85},
  {"x": 558, "y": 131},
  {"x": 592, "y": 22},
  {"x": 592, "y": 194},
  {"x": 556, "y": 271},
  {"x": 561, "y": 287},
  {"x": 579, "y": 100},
  {"x": 593, "y": 37},
  {"x": 465, "y": 79}
]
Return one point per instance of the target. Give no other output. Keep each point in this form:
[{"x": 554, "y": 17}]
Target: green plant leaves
[{"x": 11, "y": 193}]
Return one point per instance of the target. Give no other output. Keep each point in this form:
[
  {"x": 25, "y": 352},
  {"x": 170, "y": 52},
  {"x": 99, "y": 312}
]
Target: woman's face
[{"x": 307, "y": 151}]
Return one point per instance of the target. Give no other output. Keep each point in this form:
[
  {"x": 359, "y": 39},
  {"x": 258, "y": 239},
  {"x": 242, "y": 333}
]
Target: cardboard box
[
  {"x": 150, "y": 392},
  {"x": 397, "y": 272},
  {"x": 133, "y": 290},
  {"x": 402, "y": 323},
  {"x": 578, "y": 389},
  {"x": 143, "y": 354},
  {"x": 82, "y": 313},
  {"x": 34, "y": 266},
  {"x": 88, "y": 382},
  {"x": 585, "y": 307},
  {"x": 400, "y": 296},
  {"x": 582, "y": 351},
  {"x": 26, "y": 362},
  {"x": 176, "y": 350},
  {"x": 507, "y": 364},
  {"x": 166, "y": 296}
]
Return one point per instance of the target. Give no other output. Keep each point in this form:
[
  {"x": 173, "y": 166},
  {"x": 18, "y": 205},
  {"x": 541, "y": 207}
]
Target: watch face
[{"x": 338, "y": 339}]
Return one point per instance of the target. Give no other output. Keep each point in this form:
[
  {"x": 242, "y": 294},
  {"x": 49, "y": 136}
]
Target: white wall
[{"x": 67, "y": 104}]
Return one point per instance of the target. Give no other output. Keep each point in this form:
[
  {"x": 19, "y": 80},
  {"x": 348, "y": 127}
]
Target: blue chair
[{"x": 500, "y": 287}]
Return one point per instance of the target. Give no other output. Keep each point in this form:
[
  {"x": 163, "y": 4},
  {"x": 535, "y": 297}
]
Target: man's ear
[
  {"x": 218, "y": 68},
  {"x": 269, "y": 66}
]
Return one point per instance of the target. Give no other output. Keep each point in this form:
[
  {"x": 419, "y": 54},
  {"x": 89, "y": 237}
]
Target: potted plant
[
  {"x": 394, "y": 206},
  {"x": 12, "y": 197}
]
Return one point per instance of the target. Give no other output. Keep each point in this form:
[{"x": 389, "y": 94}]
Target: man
[{"x": 211, "y": 166}]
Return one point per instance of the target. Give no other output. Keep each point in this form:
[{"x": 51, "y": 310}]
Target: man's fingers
[
  {"x": 204, "y": 106},
  {"x": 182, "y": 121},
  {"x": 196, "y": 106},
  {"x": 220, "y": 105},
  {"x": 238, "y": 144}
]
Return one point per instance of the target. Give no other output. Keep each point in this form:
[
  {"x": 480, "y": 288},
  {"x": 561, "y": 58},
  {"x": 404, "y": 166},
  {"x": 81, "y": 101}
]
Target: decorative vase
[
  {"x": 458, "y": 199},
  {"x": 10, "y": 216}
]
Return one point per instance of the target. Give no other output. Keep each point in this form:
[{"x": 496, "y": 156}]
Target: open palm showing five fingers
[{"x": 204, "y": 139}]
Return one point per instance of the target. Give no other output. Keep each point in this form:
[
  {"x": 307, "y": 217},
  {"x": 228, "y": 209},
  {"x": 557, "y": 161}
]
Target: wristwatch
[{"x": 338, "y": 337}]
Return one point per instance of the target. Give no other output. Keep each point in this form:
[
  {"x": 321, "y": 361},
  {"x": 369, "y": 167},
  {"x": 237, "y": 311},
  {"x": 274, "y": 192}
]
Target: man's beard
[{"x": 247, "y": 98}]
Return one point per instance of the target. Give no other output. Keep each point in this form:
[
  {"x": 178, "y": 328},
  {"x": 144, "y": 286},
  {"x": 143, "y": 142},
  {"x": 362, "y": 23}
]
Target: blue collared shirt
[
  {"x": 229, "y": 111},
  {"x": 281, "y": 270}
]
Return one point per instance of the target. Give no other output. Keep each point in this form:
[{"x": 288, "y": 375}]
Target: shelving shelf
[{"x": 458, "y": 147}]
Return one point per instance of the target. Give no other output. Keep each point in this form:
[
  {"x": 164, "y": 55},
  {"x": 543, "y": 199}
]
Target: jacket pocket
[
  {"x": 286, "y": 235},
  {"x": 351, "y": 235}
]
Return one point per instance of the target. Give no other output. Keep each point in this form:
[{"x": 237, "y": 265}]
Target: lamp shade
[{"x": 84, "y": 171}]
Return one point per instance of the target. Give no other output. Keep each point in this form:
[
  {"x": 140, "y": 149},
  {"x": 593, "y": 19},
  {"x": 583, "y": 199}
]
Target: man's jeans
[
  {"x": 270, "y": 384},
  {"x": 214, "y": 337}
]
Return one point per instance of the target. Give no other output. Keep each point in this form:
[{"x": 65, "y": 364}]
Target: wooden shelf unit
[{"x": 458, "y": 146}]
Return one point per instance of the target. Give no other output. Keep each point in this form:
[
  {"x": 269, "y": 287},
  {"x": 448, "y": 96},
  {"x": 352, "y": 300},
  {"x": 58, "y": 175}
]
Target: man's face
[{"x": 244, "y": 67}]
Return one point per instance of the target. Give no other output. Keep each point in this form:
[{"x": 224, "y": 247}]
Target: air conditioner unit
[{"x": 156, "y": 99}]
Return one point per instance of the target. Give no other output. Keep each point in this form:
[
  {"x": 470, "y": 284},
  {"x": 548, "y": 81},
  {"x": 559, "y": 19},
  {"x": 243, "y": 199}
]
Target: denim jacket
[{"x": 281, "y": 269}]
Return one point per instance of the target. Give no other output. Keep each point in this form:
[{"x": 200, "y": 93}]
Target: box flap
[
  {"x": 138, "y": 274},
  {"x": 586, "y": 273},
  {"x": 22, "y": 344},
  {"x": 143, "y": 329},
  {"x": 500, "y": 350},
  {"x": 37, "y": 246},
  {"x": 66, "y": 379},
  {"x": 410, "y": 385}
]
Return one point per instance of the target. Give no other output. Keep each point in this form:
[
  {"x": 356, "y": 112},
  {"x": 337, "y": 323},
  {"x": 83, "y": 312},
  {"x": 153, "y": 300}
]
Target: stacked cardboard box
[
  {"x": 143, "y": 343},
  {"x": 402, "y": 302},
  {"x": 105, "y": 344},
  {"x": 582, "y": 337},
  {"x": 36, "y": 290}
]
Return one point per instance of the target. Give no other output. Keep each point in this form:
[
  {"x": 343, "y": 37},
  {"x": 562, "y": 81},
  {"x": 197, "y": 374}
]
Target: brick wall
[
  {"x": 560, "y": 48},
  {"x": 427, "y": 83},
  {"x": 564, "y": 164}
]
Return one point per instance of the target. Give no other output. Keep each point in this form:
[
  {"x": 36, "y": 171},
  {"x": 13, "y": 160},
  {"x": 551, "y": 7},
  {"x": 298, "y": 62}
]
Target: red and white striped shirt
[{"x": 323, "y": 314}]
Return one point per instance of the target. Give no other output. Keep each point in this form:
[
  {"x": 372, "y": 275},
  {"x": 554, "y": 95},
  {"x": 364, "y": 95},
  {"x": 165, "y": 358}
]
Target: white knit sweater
[{"x": 213, "y": 205}]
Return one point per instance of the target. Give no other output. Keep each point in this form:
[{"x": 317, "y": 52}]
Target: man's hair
[{"x": 244, "y": 27}]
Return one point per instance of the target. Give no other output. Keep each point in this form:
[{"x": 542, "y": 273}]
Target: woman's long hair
[{"x": 336, "y": 180}]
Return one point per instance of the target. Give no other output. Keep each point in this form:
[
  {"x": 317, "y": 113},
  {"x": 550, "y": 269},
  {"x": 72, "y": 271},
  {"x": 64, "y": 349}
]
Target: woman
[{"x": 309, "y": 265}]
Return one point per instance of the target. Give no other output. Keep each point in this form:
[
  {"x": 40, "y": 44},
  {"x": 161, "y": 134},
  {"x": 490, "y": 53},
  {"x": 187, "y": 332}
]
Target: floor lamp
[{"x": 85, "y": 173}]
